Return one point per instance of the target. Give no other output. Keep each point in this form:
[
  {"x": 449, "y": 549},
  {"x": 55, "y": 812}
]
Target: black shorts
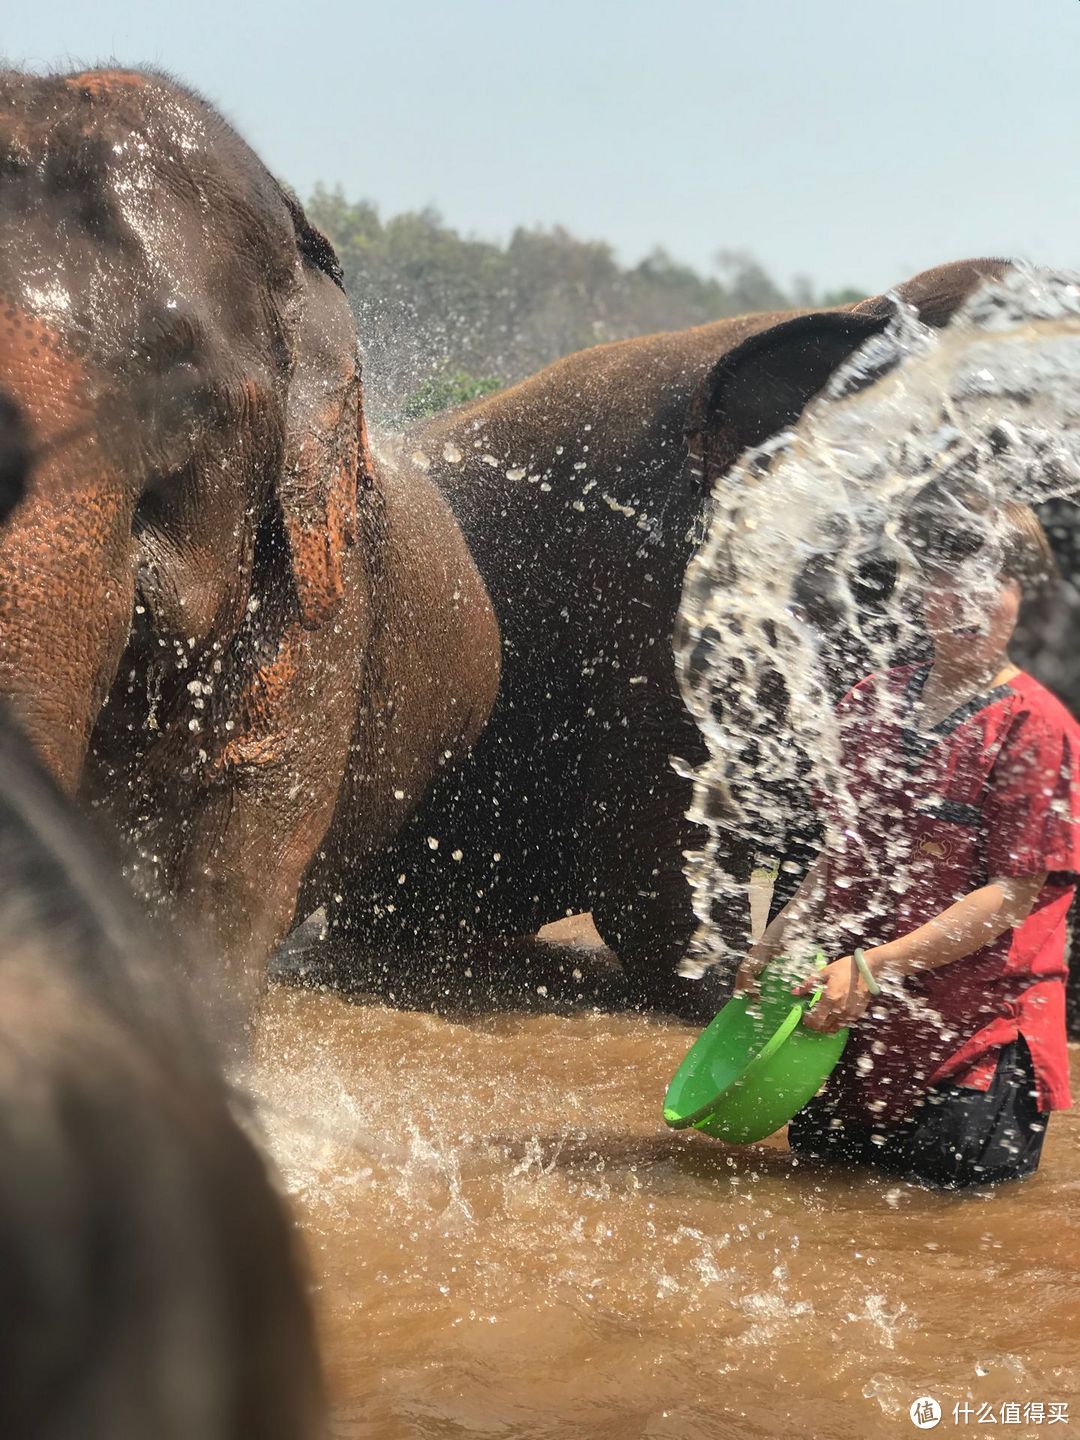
[{"x": 956, "y": 1137}]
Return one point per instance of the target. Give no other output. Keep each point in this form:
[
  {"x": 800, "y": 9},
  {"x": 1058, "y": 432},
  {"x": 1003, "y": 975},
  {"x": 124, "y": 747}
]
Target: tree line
[{"x": 445, "y": 317}]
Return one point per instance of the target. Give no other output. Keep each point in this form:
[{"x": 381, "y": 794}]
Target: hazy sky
[{"x": 851, "y": 140}]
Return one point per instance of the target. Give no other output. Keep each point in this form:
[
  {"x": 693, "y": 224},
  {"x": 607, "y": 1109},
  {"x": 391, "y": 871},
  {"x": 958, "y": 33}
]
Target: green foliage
[
  {"x": 748, "y": 286},
  {"x": 847, "y": 296},
  {"x": 444, "y": 391},
  {"x": 437, "y": 309}
]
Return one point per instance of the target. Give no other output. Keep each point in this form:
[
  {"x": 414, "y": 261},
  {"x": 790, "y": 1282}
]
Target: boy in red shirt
[{"x": 954, "y": 866}]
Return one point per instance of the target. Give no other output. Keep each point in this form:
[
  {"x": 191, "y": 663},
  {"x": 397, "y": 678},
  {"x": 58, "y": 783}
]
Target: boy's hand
[
  {"x": 844, "y": 1001},
  {"x": 746, "y": 980}
]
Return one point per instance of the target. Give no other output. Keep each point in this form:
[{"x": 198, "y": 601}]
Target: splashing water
[
  {"x": 774, "y": 620},
  {"x": 506, "y": 1240}
]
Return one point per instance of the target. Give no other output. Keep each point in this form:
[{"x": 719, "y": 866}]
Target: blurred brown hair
[
  {"x": 1026, "y": 556},
  {"x": 951, "y": 521}
]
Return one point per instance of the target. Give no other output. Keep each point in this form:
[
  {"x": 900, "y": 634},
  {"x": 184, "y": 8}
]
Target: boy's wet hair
[
  {"x": 956, "y": 519},
  {"x": 1026, "y": 556}
]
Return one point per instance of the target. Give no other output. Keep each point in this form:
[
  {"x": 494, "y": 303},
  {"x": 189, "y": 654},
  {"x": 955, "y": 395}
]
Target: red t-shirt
[{"x": 922, "y": 818}]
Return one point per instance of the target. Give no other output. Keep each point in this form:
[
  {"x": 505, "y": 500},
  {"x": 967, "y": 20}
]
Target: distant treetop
[{"x": 444, "y": 317}]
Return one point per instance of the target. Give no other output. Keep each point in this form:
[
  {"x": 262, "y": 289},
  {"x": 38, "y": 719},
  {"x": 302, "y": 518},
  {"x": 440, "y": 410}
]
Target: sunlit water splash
[
  {"x": 993, "y": 398},
  {"x": 506, "y": 1240}
]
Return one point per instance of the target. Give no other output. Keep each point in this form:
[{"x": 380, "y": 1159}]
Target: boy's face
[{"x": 970, "y": 615}]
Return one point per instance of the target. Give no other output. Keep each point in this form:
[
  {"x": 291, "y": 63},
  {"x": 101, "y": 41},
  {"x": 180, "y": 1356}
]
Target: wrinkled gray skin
[
  {"x": 151, "y": 1280},
  {"x": 575, "y": 495}
]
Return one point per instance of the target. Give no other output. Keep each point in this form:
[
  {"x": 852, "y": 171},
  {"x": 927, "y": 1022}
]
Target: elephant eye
[
  {"x": 164, "y": 495},
  {"x": 170, "y": 390},
  {"x": 169, "y": 335}
]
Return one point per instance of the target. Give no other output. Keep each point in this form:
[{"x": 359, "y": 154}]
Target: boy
[{"x": 954, "y": 868}]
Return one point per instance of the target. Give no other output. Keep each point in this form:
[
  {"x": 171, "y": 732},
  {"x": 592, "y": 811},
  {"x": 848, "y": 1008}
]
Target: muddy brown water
[{"x": 506, "y": 1241}]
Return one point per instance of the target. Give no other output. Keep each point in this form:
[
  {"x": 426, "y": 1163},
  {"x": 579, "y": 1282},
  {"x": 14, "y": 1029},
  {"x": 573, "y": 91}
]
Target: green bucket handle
[
  {"x": 808, "y": 1002},
  {"x": 799, "y": 1008},
  {"x": 820, "y": 962},
  {"x": 859, "y": 956}
]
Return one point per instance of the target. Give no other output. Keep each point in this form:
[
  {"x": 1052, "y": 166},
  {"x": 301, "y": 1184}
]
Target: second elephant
[{"x": 574, "y": 492}]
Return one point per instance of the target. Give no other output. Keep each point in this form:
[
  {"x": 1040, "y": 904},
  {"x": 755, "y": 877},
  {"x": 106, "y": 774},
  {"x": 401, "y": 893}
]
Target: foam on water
[
  {"x": 992, "y": 402},
  {"x": 525, "y": 1249}
]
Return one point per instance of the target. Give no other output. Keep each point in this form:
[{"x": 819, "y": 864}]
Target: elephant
[
  {"x": 581, "y": 507},
  {"x": 198, "y": 596},
  {"x": 153, "y": 1284}
]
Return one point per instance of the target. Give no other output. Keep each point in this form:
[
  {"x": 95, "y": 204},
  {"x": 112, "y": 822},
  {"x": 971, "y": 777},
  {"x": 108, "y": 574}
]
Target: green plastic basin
[{"x": 756, "y": 1065}]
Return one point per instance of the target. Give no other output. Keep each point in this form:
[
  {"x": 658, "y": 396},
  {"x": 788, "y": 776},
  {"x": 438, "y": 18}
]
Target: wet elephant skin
[{"x": 194, "y": 595}]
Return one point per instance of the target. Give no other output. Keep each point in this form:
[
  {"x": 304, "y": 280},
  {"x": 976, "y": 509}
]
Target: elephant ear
[
  {"x": 763, "y": 385},
  {"x": 937, "y": 294},
  {"x": 326, "y": 455}
]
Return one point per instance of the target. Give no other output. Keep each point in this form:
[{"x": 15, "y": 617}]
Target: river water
[{"x": 506, "y": 1241}]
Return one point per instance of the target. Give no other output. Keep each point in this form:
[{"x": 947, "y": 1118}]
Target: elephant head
[{"x": 193, "y": 430}]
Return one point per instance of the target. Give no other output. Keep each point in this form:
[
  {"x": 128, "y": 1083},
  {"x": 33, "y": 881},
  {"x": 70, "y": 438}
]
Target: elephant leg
[
  {"x": 464, "y": 875},
  {"x": 647, "y": 918},
  {"x": 643, "y": 906},
  {"x": 456, "y": 975}
]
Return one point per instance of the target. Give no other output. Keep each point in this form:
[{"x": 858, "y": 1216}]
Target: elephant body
[
  {"x": 533, "y": 826},
  {"x": 194, "y": 602},
  {"x": 574, "y": 493}
]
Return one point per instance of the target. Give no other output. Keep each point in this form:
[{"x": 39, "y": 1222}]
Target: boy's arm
[
  {"x": 959, "y": 931},
  {"x": 962, "y": 929},
  {"x": 802, "y": 905}
]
